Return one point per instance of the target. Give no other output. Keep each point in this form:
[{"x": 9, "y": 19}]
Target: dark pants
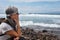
[{"x": 21, "y": 38}]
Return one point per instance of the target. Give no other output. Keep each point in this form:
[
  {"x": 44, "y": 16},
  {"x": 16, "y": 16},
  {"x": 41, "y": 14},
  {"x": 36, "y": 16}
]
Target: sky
[{"x": 31, "y": 6}]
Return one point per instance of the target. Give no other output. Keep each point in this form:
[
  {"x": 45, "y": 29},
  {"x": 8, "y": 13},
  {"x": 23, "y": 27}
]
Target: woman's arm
[
  {"x": 19, "y": 29},
  {"x": 18, "y": 26},
  {"x": 12, "y": 33}
]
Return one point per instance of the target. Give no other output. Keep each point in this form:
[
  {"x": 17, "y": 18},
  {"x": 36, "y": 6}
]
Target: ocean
[
  {"x": 38, "y": 19},
  {"x": 39, "y": 22}
]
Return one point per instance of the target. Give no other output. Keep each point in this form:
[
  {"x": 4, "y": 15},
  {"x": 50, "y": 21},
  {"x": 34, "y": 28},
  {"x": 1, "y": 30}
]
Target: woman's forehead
[{"x": 14, "y": 14}]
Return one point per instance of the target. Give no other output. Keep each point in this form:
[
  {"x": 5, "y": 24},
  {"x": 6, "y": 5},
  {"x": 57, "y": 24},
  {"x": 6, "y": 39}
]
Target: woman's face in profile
[{"x": 15, "y": 16}]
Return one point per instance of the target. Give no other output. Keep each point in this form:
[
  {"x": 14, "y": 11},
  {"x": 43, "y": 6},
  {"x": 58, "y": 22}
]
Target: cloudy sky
[{"x": 31, "y": 6}]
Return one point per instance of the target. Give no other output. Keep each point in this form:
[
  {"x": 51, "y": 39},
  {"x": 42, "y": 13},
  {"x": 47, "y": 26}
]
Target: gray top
[{"x": 4, "y": 27}]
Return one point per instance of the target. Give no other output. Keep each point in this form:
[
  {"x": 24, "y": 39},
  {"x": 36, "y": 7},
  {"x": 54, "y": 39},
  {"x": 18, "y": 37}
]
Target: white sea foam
[
  {"x": 26, "y": 23},
  {"x": 2, "y": 15},
  {"x": 40, "y": 15}
]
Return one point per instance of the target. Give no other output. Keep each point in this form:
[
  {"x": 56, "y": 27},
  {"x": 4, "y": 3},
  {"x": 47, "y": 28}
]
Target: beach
[{"x": 32, "y": 34}]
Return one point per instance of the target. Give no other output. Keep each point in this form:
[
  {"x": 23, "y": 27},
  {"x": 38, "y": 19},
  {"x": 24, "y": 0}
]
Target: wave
[
  {"x": 26, "y": 23},
  {"x": 39, "y": 15}
]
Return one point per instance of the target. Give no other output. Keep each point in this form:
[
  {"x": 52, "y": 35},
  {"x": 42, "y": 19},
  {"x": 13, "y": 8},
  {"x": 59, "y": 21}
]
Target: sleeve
[
  {"x": 0, "y": 31},
  {"x": 5, "y": 27}
]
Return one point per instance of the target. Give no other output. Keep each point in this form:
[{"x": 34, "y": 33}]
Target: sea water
[
  {"x": 39, "y": 22},
  {"x": 38, "y": 19}
]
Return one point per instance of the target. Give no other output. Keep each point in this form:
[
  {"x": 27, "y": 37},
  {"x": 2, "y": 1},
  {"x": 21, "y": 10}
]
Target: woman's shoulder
[{"x": 3, "y": 24}]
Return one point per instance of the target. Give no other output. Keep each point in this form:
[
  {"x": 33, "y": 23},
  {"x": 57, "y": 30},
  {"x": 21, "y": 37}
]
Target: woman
[{"x": 10, "y": 27}]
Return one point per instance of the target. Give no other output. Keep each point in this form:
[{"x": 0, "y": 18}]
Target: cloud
[
  {"x": 28, "y": 8},
  {"x": 30, "y": 0},
  {"x": 3, "y": 8},
  {"x": 31, "y": 9},
  {"x": 37, "y": 9}
]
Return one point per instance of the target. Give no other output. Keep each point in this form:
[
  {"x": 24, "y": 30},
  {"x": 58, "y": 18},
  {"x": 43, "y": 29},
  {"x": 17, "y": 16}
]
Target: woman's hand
[
  {"x": 17, "y": 21},
  {"x": 17, "y": 38}
]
